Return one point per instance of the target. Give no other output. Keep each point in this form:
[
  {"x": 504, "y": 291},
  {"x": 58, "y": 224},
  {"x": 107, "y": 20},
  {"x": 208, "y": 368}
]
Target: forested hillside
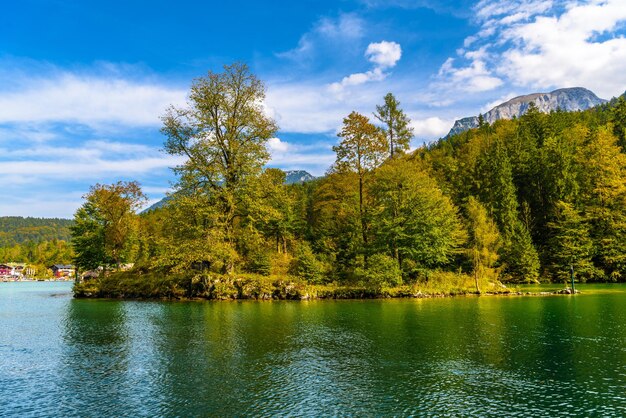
[
  {"x": 521, "y": 200},
  {"x": 555, "y": 184},
  {"x": 18, "y": 230},
  {"x": 38, "y": 241}
]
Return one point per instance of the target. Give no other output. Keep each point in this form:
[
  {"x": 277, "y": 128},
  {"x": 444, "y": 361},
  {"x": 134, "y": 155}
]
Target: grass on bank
[{"x": 255, "y": 286}]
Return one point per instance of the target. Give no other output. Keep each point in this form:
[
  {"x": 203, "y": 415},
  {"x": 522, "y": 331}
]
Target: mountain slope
[{"x": 568, "y": 99}]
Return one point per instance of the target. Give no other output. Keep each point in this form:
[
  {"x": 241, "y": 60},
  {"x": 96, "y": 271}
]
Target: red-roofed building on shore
[
  {"x": 63, "y": 270},
  {"x": 6, "y": 270}
]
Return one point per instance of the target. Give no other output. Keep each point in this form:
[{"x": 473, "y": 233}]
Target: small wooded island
[{"x": 517, "y": 201}]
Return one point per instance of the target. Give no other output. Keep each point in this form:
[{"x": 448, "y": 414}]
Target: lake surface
[{"x": 511, "y": 356}]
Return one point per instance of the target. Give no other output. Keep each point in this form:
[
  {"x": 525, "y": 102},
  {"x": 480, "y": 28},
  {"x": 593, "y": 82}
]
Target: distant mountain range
[
  {"x": 568, "y": 99},
  {"x": 291, "y": 177}
]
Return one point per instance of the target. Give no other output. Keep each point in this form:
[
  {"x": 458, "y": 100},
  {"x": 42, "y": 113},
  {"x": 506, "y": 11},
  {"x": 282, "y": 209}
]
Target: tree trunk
[
  {"x": 476, "y": 270},
  {"x": 362, "y": 215}
]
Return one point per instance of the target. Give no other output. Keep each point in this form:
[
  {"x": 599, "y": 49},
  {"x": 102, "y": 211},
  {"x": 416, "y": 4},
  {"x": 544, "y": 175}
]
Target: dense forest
[
  {"x": 39, "y": 242},
  {"x": 517, "y": 201},
  {"x": 18, "y": 230}
]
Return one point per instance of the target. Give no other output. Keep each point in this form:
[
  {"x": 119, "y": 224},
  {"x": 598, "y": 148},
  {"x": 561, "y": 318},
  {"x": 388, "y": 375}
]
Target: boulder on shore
[{"x": 566, "y": 291}]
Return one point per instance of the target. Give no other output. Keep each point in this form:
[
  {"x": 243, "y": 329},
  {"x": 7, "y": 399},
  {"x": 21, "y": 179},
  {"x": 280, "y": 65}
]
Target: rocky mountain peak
[
  {"x": 568, "y": 99},
  {"x": 297, "y": 176}
]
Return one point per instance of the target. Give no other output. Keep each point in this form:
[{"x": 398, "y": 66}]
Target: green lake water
[{"x": 465, "y": 356}]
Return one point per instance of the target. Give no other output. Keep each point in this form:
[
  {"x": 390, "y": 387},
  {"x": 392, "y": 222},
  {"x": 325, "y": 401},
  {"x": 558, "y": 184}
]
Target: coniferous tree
[
  {"x": 521, "y": 256},
  {"x": 533, "y": 123},
  {"x": 618, "y": 118},
  {"x": 571, "y": 244},
  {"x": 335, "y": 221},
  {"x": 605, "y": 200},
  {"x": 396, "y": 125},
  {"x": 500, "y": 196},
  {"x": 496, "y": 188},
  {"x": 271, "y": 206},
  {"x": 556, "y": 178}
]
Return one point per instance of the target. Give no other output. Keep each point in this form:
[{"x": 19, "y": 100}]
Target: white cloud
[
  {"x": 346, "y": 26},
  {"x": 86, "y": 99},
  {"x": 275, "y": 145},
  {"x": 563, "y": 51},
  {"x": 316, "y": 157},
  {"x": 487, "y": 11},
  {"x": 384, "y": 54},
  {"x": 473, "y": 78},
  {"x": 304, "y": 107},
  {"x": 504, "y": 98},
  {"x": 57, "y": 205},
  {"x": 26, "y": 133},
  {"x": 89, "y": 161},
  {"x": 431, "y": 127},
  {"x": 86, "y": 169},
  {"x": 317, "y": 107},
  {"x": 46, "y": 183},
  {"x": 542, "y": 44},
  {"x": 358, "y": 78}
]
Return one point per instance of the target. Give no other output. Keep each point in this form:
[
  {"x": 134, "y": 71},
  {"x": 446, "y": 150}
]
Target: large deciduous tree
[
  {"x": 412, "y": 220},
  {"x": 484, "y": 242},
  {"x": 222, "y": 133},
  {"x": 361, "y": 149},
  {"x": 105, "y": 226}
]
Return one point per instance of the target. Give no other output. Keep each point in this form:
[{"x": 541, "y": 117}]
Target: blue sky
[{"x": 83, "y": 83}]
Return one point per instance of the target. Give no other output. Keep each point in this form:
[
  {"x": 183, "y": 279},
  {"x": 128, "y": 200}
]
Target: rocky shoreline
[{"x": 256, "y": 288}]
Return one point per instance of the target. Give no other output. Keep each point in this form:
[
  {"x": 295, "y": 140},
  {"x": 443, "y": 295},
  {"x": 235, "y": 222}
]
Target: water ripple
[{"x": 456, "y": 357}]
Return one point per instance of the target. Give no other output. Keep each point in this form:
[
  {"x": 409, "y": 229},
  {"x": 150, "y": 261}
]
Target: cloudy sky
[{"x": 82, "y": 84}]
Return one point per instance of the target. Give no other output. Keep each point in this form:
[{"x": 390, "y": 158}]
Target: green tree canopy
[
  {"x": 412, "y": 219},
  {"x": 571, "y": 243},
  {"x": 105, "y": 226}
]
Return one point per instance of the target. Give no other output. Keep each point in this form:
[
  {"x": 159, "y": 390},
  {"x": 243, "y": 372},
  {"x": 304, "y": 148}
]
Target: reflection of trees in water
[
  {"x": 323, "y": 361},
  {"x": 206, "y": 353},
  {"x": 241, "y": 358},
  {"x": 180, "y": 367},
  {"x": 401, "y": 357},
  {"x": 94, "y": 358}
]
